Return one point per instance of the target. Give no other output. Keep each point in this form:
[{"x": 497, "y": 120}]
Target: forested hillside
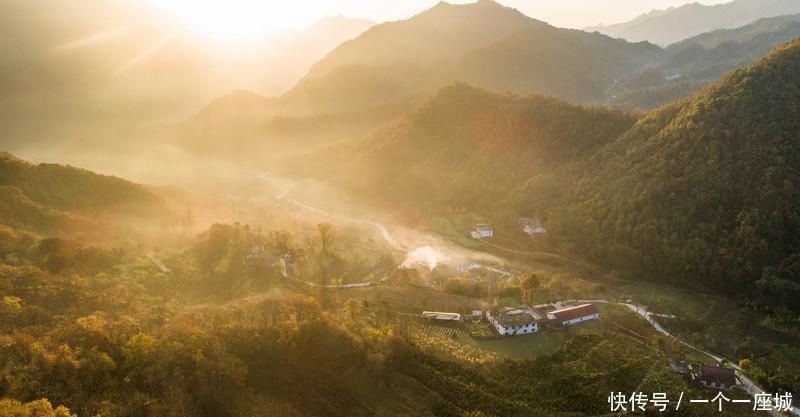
[
  {"x": 706, "y": 186},
  {"x": 704, "y": 192},
  {"x": 49, "y": 197},
  {"x": 468, "y": 148}
]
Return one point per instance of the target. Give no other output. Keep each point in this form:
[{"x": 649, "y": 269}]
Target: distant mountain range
[
  {"x": 664, "y": 27},
  {"x": 398, "y": 64},
  {"x": 692, "y": 63}
]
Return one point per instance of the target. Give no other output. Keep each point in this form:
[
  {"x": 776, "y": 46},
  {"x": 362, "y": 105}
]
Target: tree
[
  {"x": 38, "y": 408},
  {"x": 529, "y": 283},
  {"x": 352, "y": 308}
]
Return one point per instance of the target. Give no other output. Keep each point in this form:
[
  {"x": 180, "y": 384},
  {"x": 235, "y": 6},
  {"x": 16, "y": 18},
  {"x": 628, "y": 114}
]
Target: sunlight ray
[
  {"x": 143, "y": 55},
  {"x": 90, "y": 40}
]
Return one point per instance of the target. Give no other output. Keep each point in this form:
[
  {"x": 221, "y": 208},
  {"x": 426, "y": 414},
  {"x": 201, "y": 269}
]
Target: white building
[
  {"x": 576, "y": 314},
  {"x": 484, "y": 230},
  {"x": 515, "y": 321}
]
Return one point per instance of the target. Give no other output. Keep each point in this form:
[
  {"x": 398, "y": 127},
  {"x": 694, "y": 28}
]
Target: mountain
[
  {"x": 467, "y": 147},
  {"x": 695, "y": 62},
  {"x": 106, "y": 64},
  {"x": 664, "y": 27},
  {"x": 395, "y": 65},
  {"x": 706, "y": 186},
  {"x": 58, "y": 199}
]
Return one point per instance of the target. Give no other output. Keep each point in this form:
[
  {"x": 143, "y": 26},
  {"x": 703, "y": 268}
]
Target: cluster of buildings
[
  {"x": 524, "y": 319},
  {"x": 521, "y": 320}
]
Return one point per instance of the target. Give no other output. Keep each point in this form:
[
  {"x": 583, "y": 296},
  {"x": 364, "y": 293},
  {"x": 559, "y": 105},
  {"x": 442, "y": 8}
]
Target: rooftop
[
  {"x": 571, "y": 313},
  {"x": 517, "y": 316},
  {"x": 710, "y": 373}
]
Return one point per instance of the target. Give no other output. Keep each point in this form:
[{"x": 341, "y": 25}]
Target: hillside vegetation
[
  {"x": 708, "y": 187},
  {"x": 467, "y": 147},
  {"x": 47, "y": 198}
]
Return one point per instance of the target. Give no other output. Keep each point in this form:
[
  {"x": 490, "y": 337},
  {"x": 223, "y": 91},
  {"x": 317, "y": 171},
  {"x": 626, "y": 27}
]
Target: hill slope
[
  {"x": 467, "y": 147},
  {"x": 664, "y": 27},
  {"x": 50, "y": 198},
  {"x": 708, "y": 187}
]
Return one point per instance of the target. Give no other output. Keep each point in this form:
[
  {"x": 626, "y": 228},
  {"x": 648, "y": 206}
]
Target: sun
[{"x": 245, "y": 17}]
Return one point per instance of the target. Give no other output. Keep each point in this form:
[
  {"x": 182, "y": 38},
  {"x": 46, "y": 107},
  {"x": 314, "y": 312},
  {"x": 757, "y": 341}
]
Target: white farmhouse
[
  {"x": 576, "y": 314},
  {"x": 484, "y": 230},
  {"x": 515, "y": 321}
]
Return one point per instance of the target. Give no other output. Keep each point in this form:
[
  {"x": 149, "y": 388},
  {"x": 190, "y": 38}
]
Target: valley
[{"x": 461, "y": 212}]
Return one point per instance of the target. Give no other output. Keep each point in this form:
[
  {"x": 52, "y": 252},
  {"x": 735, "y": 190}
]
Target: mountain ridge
[{"x": 668, "y": 26}]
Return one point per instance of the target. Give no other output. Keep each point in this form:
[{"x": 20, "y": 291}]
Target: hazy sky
[{"x": 246, "y": 16}]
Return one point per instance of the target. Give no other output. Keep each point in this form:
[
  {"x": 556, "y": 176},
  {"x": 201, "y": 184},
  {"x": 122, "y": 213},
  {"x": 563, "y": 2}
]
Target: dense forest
[{"x": 703, "y": 192}]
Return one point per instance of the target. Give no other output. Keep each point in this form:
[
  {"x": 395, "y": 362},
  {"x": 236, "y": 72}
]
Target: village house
[
  {"x": 714, "y": 377},
  {"x": 531, "y": 226},
  {"x": 576, "y": 314},
  {"x": 482, "y": 230},
  {"x": 515, "y": 321}
]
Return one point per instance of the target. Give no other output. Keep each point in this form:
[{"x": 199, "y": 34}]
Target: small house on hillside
[
  {"x": 714, "y": 377},
  {"x": 576, "y": 314},
  {"x": 515, "y": 321}
]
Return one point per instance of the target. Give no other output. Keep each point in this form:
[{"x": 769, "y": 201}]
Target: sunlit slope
[
  {"x": 484, "y": 43},
  {"x": 705, "y": 191},
  {"x": 467, "y": 147},
  {"x": 50, "y": 198}
]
